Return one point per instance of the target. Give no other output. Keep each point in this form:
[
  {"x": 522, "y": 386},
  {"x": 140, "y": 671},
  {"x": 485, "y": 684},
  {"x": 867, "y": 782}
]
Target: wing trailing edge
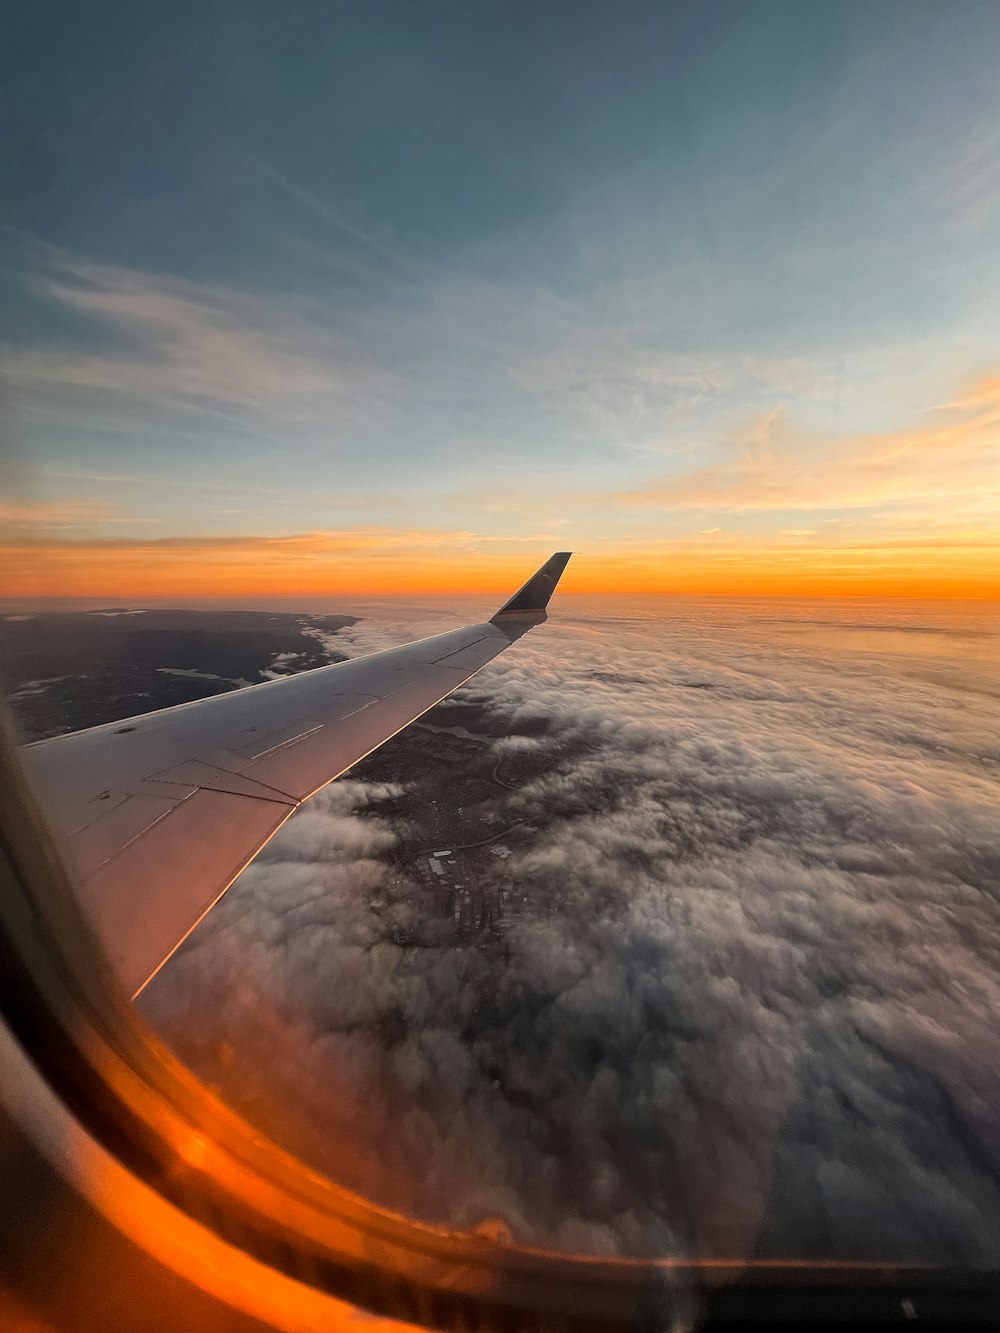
[{"x": 156, "y": 815}]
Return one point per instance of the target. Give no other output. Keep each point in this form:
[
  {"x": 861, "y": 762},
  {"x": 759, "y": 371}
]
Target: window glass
[{"x": 674, "y": 931}]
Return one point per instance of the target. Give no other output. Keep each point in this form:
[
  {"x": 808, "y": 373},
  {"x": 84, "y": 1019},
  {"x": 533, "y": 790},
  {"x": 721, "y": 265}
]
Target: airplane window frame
[{"x": 59, "y": 1000}]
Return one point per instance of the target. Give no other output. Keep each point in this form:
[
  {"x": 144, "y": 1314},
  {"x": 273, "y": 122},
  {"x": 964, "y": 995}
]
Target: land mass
[{"x": 63, "y": 671}]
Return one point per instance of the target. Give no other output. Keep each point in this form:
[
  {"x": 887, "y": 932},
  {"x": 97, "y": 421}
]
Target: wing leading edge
[{"x": 156, "y": 815}]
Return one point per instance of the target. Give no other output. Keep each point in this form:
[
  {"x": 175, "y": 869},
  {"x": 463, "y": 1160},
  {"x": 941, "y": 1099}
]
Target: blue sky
[{"x": 499, "y": 273}]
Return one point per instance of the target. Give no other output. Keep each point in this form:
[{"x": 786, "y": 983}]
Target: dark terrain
[{"x": 62, "y": 671}]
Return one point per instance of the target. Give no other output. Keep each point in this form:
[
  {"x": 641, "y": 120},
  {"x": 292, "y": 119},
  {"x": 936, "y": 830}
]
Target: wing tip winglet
[{"x": 532, "y": 599}]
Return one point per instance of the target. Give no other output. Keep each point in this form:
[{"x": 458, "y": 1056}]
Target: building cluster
[{"x": 481, "y": 909}]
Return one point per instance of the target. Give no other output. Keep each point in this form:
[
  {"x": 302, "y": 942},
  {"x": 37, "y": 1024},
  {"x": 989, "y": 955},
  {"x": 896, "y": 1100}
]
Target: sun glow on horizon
[
  {"x": 777, "y": 512},
  {"x": 328, "y": 565}
]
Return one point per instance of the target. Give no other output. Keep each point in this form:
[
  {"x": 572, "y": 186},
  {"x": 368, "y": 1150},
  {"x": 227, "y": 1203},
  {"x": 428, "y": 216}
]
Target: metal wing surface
[{"x": 158, "y": 814}]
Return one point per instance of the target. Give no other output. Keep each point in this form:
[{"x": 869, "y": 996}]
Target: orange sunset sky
[{"x": 908, "y": 513}]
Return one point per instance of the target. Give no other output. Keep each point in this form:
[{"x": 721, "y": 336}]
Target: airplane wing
[{"x": 156, "y": 815}]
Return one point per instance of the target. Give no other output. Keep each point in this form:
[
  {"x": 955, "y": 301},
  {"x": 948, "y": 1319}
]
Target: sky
[{"x": 390, "y": 296}]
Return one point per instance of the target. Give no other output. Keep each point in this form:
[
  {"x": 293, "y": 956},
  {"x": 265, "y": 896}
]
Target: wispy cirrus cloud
[
  {"x": 426, "y": 404},
  {"x": 948, "y": 463},
  {"x": 35, "y": 518},
  {"x": 188, "y": 346}
]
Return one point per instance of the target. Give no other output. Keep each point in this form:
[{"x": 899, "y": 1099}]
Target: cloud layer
[{"x": 752, "y": 1008}]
